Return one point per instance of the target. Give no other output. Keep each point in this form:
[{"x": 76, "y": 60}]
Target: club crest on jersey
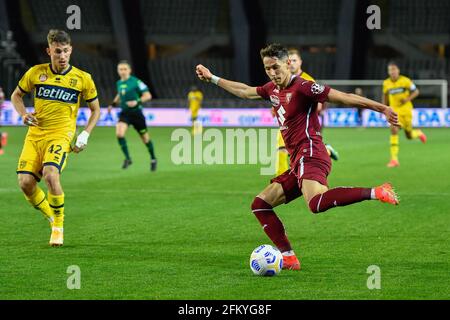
[
  {"x": 288, "y": 97},
  {"x": 47, "y": 92},
  {"x": 73, "y": 82},
  {"x": 317, "y": 88},
  {"x": 275, "y": 100},
  {"x": 43, "y": 77}
]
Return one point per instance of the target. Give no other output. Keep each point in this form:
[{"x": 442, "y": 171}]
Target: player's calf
[{"x": 343, "y": 196}]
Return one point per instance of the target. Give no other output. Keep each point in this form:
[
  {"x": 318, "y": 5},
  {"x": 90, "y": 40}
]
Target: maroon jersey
[{"x": 296, "y": 111}]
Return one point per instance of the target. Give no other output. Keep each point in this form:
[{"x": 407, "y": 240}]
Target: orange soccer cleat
[
  {"x": 393, "y": 163},
  {"x": 291, "y": 263},
  {"x": 385, "y": 193},
  {"x": 423, "y": 137},
  {"x": 4, "y": 138}
]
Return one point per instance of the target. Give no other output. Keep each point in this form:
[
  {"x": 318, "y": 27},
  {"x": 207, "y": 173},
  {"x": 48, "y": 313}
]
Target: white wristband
[{"x": 215, "y": 79}]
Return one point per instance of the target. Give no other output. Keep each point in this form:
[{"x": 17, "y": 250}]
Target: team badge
[
  {"x": 275, "y": 100},
  {"x": 73, "y": 82},
  {"x": 317, "y": 88},
  {"x": 288, "y": 97},
  {"x": 43, "y": 77},
  {"x": 22, "y": 164}
]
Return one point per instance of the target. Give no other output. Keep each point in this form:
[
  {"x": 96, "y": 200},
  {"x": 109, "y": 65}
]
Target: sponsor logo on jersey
[
  {"x": 317, "y": 88},
  {"x": 396, "y": 90},
  {"x": 55, "y": 93},
  {"x": 275, "y": 100}
]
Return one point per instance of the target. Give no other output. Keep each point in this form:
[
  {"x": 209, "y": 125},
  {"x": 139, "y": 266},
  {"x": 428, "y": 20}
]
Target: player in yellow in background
[
  {"x": 398, "y": 92},
  {"x": 58, "y": 91},
  {"x": 282, "y": 162},
  {"x": 195, "y": 99}
]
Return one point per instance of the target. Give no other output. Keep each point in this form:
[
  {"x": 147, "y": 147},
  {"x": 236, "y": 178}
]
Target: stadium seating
[
  {"x": 95, "y": 15},
  {"x": 300, "y": 17},
  {"x": 419, "y": 17},
  {"x": 198, "y": 18},
  {"x": 172, "y": 78}
]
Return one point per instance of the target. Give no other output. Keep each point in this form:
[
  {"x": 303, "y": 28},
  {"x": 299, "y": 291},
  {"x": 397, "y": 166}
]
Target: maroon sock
[
  {"x": 272, "y": 226},
  {"x": 337, "y": 197}
]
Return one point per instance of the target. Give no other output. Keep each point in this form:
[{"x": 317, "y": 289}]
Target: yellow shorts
[
  {"x": 405, "y": 117},
  {"x": 280, "y": 141},
  {"x": 46, "y": 152}
]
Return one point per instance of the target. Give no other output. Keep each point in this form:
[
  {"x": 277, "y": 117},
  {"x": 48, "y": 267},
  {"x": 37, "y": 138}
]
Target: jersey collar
[{"x": 63, "y": 73}]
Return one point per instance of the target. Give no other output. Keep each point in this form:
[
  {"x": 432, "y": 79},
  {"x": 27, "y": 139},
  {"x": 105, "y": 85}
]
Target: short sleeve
[
  {"x": 263, "y": 91},
  {"x": 385, "y": 89},
  {"x": 317, "y": 92},
  {"x": 89, "y": 91},
  {"x": 142, "y": 87},
  {"x": 26, "y": 84},
  {"x": 411, "y": 86}
]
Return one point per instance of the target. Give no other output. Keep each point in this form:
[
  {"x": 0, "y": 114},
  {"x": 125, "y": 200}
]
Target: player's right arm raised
[{"x": 238, "y": 89}]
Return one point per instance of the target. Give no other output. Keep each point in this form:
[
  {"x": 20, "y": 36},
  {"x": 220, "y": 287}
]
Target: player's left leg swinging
[{"x": 319, "y": 198}]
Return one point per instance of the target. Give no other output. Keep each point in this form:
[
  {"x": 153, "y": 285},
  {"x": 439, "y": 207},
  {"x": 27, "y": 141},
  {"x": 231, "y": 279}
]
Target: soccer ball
[{"x": 266, "y": 260}]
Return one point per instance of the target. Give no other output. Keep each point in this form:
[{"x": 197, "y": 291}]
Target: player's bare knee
[
  {"x": 51, "y": 178},
  {"x": 26, "y": 184}
]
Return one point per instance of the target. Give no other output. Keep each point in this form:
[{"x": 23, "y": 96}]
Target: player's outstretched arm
[
  {"x": 28, "y": 118},
  {"x": 238, "y": 89},
  {"x": 350, "y": 99},
  {"x": 83, "y": 137}
]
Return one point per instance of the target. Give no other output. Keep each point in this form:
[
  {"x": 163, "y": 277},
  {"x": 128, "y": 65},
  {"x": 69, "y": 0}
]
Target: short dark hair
[
  {"x": 294, "y": 51},
  {"x": 58, "y": 36},
  {"x": 274, "y": 50},
  {"x": 393, "y": 63},
  {"x": 124, "y": 62}
]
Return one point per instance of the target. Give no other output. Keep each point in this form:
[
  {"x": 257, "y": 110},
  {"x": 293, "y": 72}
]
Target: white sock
[{"x": 288, "y": 253}]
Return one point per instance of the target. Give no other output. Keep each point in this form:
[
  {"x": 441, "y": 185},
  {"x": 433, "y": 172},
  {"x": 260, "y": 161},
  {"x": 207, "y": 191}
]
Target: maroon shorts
[{"x": 291, "y": 180}]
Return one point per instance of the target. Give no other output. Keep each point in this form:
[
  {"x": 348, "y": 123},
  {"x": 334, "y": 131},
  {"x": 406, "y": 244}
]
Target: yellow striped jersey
[
  {"x": 398, "y": 90},
  {"x": 57, "y": 98}
]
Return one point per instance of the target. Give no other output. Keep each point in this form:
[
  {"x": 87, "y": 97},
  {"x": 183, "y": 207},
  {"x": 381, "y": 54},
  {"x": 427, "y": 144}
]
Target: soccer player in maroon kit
[{"x": 295, "y": 102}]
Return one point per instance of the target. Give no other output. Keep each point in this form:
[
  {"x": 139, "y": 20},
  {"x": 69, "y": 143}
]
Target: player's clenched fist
[
  {"x": 203, "y": 73},
  {"x": 391, "y": 116},
  {"x": 29, "y": 119}
]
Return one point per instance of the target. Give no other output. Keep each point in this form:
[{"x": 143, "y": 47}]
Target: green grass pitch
[{"x": 186, "y": 232}]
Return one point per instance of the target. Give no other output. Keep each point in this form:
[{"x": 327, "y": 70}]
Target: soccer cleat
[
  {"x": 126, "y": 163},
  {"x": 291, "y": 263},
  {"x": 57, "y": 237},
  {"x": 153, "y": 165},
  {"x": 4, "y": 138},
  {"x": 423, "y": 137},
  {"x": 393, "y": 163},
  {"x": 385, "y": 193},
  {"x": 332, "y": 152}
]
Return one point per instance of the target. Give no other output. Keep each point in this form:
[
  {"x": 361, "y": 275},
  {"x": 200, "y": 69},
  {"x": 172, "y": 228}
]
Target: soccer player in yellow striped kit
[
  {"x": 58, "y": 90},
  {"x": 398, "y": 92}
]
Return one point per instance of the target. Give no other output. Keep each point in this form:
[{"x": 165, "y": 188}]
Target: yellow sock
[
  {"x": 394, "y": 147},
  {"x": 39, "y": 201},
  {"x": 57, "y": 204},
  {"x": 282, "y": 162},
  {"x": 416, "y": 133}
]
